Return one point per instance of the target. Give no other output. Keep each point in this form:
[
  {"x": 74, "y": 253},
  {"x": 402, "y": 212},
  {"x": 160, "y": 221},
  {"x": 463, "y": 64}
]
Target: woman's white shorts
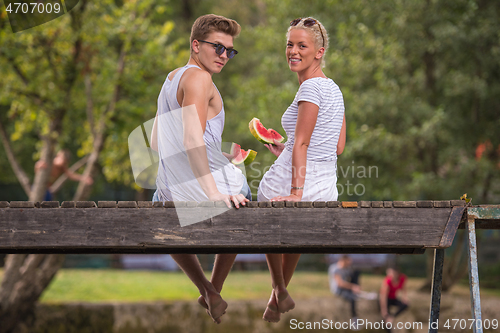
[{"x": 320, "y": 180}]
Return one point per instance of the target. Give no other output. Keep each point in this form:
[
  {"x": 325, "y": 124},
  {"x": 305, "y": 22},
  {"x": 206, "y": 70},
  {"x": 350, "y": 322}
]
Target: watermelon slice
[
  {"x": 241, "y": 155},
  {"x": 262, "y": 134}
]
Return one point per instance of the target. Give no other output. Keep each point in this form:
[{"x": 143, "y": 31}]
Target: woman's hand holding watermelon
[{"x": 275, "y": 148}]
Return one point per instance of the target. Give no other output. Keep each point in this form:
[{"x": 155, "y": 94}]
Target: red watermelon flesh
[
  {"x": 241, "y": 155},
  {"x": 263, "y": 134}
]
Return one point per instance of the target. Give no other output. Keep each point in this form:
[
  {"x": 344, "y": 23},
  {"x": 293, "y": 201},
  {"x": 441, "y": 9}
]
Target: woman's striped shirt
[{"x": 326, "y": 94}]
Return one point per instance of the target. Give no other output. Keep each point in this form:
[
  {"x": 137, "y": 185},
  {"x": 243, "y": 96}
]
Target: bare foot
[
  {"x": 216, "y": 307},
  {"x": 284, "y": 301},
  {"x": 201, "y": 301},
  {"x": 272, "y": 314}
]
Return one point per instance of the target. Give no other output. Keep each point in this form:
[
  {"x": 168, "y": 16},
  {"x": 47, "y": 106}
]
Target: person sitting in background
[
  {"x": 60, "y": 167},
  {"x": 393, "y": 282},
  {"x": 345, "y": 282}
]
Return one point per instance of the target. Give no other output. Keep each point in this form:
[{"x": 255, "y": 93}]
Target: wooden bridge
[{"x": 406, "y": 227}]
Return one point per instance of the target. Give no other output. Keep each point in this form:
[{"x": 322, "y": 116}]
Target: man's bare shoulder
[{"x": 195, "y": 78}]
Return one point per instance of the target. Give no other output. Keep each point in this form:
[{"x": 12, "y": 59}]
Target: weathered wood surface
[{"x": 130, "y": 227}]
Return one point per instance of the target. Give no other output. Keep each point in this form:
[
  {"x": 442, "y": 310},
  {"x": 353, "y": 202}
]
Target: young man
[
  {"x": 187, "y": 134},
  {"x": 344, "y": 282}
]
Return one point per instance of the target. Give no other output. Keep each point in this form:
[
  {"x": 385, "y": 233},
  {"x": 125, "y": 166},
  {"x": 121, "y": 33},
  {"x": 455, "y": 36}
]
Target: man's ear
[{"x": 195, "y": 45}]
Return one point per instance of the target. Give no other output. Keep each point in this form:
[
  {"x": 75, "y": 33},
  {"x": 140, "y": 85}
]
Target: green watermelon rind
[
  {"x": 258, "y": 135},
  {"x": 247, "y": 160}
]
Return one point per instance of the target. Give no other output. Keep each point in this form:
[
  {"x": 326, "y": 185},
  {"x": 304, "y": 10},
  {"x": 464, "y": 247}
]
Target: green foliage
[{"x": 34, "y": 66}]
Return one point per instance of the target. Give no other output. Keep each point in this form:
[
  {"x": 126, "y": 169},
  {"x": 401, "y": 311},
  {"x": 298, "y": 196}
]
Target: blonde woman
[{"x": 305, "y": 169}]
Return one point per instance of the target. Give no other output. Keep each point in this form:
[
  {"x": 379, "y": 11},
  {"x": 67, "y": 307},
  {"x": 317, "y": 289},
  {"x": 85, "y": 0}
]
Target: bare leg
[
  {"x": 290, "y": 261},
  {"x": 288, "y": 268},
  {"x": 191, "y": 266},
  {"x": 222, "y": 266},
  {"x": 283, "y": 302}
]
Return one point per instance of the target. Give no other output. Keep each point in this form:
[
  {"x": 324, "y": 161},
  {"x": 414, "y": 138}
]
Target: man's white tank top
[{"x": 176, "y": 181}]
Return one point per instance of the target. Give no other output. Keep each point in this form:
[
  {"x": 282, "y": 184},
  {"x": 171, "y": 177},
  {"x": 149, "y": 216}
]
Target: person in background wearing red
[{"x": 393, "y": 282}]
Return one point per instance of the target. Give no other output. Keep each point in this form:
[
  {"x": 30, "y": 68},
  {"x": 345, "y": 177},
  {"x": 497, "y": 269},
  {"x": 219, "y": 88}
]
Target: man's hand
[
  {"x": 236, "y": 199},
  {"x": 228, "y": 156},
  {"x": 276, "y": 149},
  {"x": 355, "y": 288}
]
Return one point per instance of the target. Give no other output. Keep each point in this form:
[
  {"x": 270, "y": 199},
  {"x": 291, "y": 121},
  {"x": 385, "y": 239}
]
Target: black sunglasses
[
  {"x": 219, "y": 49},
  {"x": 309, "y": 22}
]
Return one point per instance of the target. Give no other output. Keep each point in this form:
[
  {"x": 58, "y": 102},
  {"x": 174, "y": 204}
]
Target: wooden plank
[
  {"x": 68, "y": 204},
  {"x": 221, "y": 204},
  {"x": 425, "y": 204},
  {"x": 246, "y": 230},
  {"x": 106, "y": 204},
  {"x": 166, "y": 204},
  {"x": 442, "y": 204},
  {"x": 190, "y": 204},
  {"x": 456, "y": 216},
  {"x": 49, "y": 204},
  {"x": 252, "y": 204},
  {"x": 85, "y": 204},
  {"x": 365, "y": 204},
  {"x": 145, "y": 204},
  {"x": 279, "y": 204},
  {"x": 127, "y": 204},
  {"x": 404, "y": 204},
  {"x": 207, "y": 204},
  {"x": 349, "y": 204},
  {"x": 22, "y": 204},
  {"x": 319, "y": 204}
]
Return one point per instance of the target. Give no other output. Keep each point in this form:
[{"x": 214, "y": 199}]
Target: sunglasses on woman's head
[
  {"x": 219, "y": 49},
  {"x": 309, "y": 22}
]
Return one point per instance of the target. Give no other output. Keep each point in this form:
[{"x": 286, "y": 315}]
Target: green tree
[{"x": 85, "y": 81}]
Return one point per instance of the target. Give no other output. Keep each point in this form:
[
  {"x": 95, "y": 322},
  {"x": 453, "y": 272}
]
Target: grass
[
  {"x": 132, "y": 286},
  {"x": 88, "y": 285}
]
